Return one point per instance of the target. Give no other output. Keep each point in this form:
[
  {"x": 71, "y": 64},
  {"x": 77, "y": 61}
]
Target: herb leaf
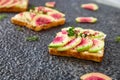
[
  {"x": 32, "y": 38},
  {"x": 20, "y": 29},
  {"x": 2, "y": 16},
  {"x": 71, "y": 31},
  {"x": 117, "y": 39}
]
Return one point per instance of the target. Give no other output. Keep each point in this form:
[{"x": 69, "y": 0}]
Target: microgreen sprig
[
  {"x": 2, "y": 16},
  {"x": 71, "y": 31},
  {"x": 32, "y": 38},
  {"x": 117, "y": 39}
]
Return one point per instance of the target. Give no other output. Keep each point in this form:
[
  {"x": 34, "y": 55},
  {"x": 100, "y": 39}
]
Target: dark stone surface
[{"x": 23, "y": 60}]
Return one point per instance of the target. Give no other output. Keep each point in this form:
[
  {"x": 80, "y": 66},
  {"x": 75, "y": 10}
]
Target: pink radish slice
[
  {"x": 64, "y": 32},
  {"x": 86, "y": 19},
  {"x": 94, "y": 78},
  {"x": 42, "y": 20},
  {"x": 50, "y": 4},
  {"x": 58, "y": 39},
  {"x": 56, "y": 15},
  {"x": 83, "y": 42},
  {"x": 5, "y": 2},
  {"x": 84, "y": 45},
  {"x": 71, "y": 44},
  {"x": 90, "y": 6},
  {"x": 32, "y": 15}
]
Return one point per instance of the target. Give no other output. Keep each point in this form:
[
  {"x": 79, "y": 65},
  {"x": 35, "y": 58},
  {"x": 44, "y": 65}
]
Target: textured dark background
[{"x": 23, "y": 60}]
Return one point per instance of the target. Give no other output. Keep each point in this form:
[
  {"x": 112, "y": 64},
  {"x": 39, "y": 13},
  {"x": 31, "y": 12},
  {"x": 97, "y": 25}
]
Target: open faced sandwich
[
  {"x": 13, "y": 5},
  {"x": 39, "y": 18},
  {"x": 80, "y": 43}
]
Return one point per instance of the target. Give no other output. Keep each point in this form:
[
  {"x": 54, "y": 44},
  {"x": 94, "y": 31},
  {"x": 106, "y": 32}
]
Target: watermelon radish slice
[
  {"x": 62, "y": 33},
  {"x": 97, "y": 45},
  {"x": 42, "y": 20},
  {"x": 90, "y": 6},
  {"x": 71, "y": 44},
  {"x": 5, "y": 3},
  {"x": 56, "y": 15},
  {"x": 84, "y": 45},
  {"x": 32, "y": 15},
  {"x": 95, "y": 76},
  {"x": 15, "y": 2},
  {"x": 59, "y": 41},
  {"x": 21, "y": 14},
  {"x": 86, "y": 19},
  {"x": 50, "y": 4}
]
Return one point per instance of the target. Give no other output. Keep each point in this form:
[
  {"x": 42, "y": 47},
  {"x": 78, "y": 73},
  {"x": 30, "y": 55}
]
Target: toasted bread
[
  {"x": 81, "y": 55},
  {"x": 38, "y": 20},
  {"x": 83, "y": 49},
  {"x": 13, "y": 5}
]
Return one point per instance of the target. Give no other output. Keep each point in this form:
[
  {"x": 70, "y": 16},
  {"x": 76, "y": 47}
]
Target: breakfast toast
[
  {"x": 13, "y": 5},
  {"x": 39, "y": 18},
  {"x": 80, "y": 43}
]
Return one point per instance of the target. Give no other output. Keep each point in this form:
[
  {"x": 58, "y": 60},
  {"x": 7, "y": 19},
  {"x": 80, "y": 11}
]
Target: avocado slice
[
  {"x": 84, "y": 45},
  {"x": 97, "y": 45},
  {"x": 59, "y": 41},
  {"x": 71, "y": 44}
]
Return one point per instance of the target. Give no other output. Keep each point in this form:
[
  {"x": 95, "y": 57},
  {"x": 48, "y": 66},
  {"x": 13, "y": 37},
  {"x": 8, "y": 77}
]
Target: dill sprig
[
  {"x": 71, "y": 31},
  {"x": 2, "y": 16},
  {"x": 20, "y": 29},
  {"x": 32, "y": 38},
  {"x": 117, "y": 39}
]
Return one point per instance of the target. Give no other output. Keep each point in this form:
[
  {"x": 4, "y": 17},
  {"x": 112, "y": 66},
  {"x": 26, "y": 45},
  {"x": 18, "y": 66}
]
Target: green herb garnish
[
  {"x": 71, "y": 31},
  {"x": 32, "y": 38},
  {"x": 20, "y": 29},
  {"x": 117, "y": 39},
  {"x": 2, "y": 16}
]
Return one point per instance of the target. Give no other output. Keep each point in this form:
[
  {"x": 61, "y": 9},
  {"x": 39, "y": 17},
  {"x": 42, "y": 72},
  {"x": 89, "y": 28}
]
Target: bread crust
[
  {"x": 81, "y": 55},
  {"x": 38, "y": 28},
  {"x": 14, "y": 8}
]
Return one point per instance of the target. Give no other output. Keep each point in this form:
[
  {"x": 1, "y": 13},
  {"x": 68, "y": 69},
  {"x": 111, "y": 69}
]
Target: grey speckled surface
[{"x": 23, "y": 60}]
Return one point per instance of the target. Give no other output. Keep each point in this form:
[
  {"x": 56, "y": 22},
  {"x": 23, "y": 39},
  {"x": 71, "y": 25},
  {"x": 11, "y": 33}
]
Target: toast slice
[
  {"x": 79, "y": 43},
  {"x": 13, "y": 5},
  {"x": 39, "y": 18}
]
